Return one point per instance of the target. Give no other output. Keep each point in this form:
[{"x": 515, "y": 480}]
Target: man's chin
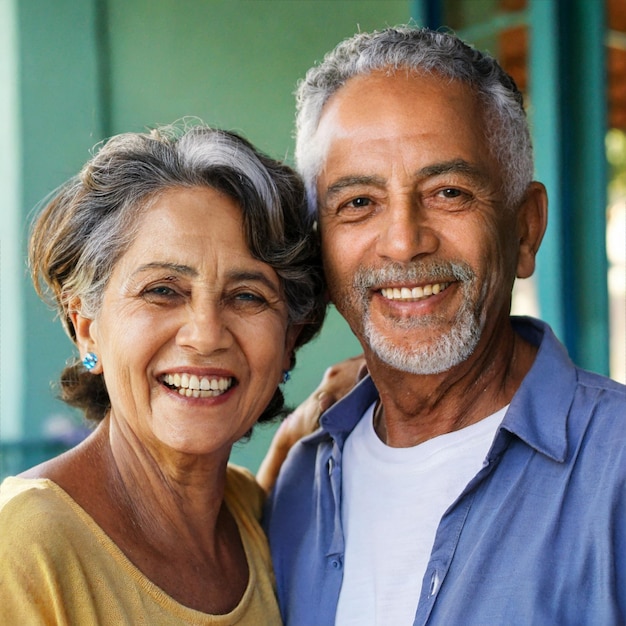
[{"x": 425, "y": 357}]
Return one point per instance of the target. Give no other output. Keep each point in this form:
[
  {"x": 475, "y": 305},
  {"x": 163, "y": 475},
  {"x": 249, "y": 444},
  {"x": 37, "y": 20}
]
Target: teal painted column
[
  {"x": 427, "y": 12},
  {"x": 544, "y": 99},
  {"x": 60, "y": 120},
  {"x": 568, "y": 105},
  {"x": 584, "y": 110},
  {"x": 11, "y": 265}
]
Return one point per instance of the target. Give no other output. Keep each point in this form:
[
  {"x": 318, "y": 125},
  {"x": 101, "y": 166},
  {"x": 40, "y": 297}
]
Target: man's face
[{"x": 419, "y": 249}]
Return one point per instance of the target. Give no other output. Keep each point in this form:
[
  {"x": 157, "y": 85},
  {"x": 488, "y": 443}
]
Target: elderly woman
[{"x": 183, "y": 270}]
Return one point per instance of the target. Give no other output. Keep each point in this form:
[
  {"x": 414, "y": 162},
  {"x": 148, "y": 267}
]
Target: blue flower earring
[
  {"x": 286, "y": 376},
  {"x": 90, "y": 361}
]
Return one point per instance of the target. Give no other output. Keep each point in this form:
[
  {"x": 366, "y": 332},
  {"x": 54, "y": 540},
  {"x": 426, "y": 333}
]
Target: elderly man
[{"x": 477, "y": 477}]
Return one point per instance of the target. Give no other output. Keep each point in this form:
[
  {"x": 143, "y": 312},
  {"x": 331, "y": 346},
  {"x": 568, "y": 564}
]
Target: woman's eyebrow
[
  {"x": 177, "y": 268},
  {"x": 251, "y": 276}
]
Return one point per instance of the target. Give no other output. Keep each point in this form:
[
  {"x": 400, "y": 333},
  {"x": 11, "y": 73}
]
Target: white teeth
[
  {"x": 404, "y": 293},
  {"x": 192, "y": 386}
]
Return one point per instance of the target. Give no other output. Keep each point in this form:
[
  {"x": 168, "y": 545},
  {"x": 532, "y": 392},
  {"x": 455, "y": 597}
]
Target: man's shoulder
[
  {"x": 599, "y": 407},
  {"x": 611, "y": 389},
  {"x": 555, "y": 381}
]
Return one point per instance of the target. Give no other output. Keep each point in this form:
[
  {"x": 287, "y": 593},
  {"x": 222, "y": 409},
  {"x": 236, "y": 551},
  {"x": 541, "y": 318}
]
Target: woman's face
[{"x": 192, "y": 337}]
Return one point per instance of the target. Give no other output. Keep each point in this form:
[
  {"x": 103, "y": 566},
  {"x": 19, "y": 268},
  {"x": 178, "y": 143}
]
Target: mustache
[{"x": 367, "y": 278}]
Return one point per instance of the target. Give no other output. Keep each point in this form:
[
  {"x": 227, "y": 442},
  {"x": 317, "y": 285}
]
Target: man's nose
[{"x": 405, "y": 232}]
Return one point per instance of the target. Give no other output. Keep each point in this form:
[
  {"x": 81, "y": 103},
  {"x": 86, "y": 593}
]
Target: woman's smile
[
  {"x": 207, "y": 323},
  {"x": 191, "y": 385}
]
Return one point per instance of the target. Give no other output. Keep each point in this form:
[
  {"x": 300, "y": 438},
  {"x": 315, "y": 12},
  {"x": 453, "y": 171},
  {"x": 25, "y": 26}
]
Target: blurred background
[{"x": 74, "y": 72}]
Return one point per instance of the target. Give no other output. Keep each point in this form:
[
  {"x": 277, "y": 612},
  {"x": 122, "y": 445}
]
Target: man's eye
[
  {"x": 160, "y": 291},
  {"x": 451, "y": 192},
  {"x": 359, "y": 203}
]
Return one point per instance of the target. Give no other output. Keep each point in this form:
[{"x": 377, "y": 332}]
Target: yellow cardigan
[{"x": 57, "y": 566}]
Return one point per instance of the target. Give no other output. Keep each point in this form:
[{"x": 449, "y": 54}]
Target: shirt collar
[
  {"x": 537, "y": 413},
  {"x": 539, "y": 409},
  {"x": 343, "y": 416}
]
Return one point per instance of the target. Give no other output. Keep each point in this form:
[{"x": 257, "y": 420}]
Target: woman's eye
[
  {"x": 251, "y": 302},
  {"x": 248, "y": 297},
  {"x": 159, "y": 293}
]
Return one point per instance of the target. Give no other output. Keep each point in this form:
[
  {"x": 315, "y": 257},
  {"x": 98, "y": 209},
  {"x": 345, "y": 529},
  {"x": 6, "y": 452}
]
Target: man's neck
[{"x": 415, "y": 408}]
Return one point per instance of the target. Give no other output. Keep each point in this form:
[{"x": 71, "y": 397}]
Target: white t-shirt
[{"x": 393, "y": 500}]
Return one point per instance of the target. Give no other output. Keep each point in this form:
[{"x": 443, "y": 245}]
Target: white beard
[{"x": 449, "y": 349}]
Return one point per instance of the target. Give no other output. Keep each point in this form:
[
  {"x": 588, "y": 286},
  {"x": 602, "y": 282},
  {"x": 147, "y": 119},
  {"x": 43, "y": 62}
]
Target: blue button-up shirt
[{"x": 538, "y": 536}]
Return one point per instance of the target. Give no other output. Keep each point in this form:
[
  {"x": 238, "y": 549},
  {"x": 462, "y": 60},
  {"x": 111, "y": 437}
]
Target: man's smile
[{"x": 410, "y": 294}]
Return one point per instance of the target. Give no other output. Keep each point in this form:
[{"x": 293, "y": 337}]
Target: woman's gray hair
[
  {"x": 419, "y": 50},
  {"x": 92, "y": 220}
]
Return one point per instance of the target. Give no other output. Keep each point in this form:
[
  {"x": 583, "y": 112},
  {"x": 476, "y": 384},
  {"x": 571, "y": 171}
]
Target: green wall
[
  {"x": 59, "y": 120},
  {"x": 76, "y": 71},
  {"x": 92, "y": 68}
]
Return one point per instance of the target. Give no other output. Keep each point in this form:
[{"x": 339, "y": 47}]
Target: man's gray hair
[{"x": 422, "y": 51}]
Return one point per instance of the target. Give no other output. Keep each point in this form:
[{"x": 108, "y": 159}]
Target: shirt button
[
  {"x": 434, "y": 584},
  {"x": 336, "y": 563},
  {"x": 330, "y": 466}
]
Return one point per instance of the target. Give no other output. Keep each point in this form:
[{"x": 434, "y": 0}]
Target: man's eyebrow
[
  {"x": 346, "y": 182},
  {"x": 456, "y": 166}
]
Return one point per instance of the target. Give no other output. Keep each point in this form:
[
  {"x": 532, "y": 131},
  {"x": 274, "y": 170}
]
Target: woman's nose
[{"x": 205, "y": 328}]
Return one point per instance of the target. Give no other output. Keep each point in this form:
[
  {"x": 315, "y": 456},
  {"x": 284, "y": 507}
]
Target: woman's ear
[
  {"x": 532, "y": 220},
  {"x": 293, "y": 332},
  {"x": 84, "y": 328}
]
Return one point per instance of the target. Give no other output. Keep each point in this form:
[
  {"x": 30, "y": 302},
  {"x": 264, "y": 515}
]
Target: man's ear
[{"x": 532, "y": 220}]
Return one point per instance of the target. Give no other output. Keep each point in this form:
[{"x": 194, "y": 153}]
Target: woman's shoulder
[
  {"x": 27, "y": 495},
  {"x": 41, "y": 532},
  {"x": 28, "y": 504}
]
